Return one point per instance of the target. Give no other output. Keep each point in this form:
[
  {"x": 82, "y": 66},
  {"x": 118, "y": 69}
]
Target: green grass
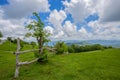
[
  {"x": 7, "y": 46},
  {"x": 94, "y": 65}
]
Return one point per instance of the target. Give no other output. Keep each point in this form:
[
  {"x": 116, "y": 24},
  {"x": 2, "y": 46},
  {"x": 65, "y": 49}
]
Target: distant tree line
[
  {"x": 22, "y": 43},
  {"x": 15, "y": 40},
  {"x": 1, "y": 35},
  {"x": 61, "y": 48}
]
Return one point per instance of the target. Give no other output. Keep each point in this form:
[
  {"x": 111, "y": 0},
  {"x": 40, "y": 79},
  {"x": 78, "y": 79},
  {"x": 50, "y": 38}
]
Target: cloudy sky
[{"x": 64, "y": 19}]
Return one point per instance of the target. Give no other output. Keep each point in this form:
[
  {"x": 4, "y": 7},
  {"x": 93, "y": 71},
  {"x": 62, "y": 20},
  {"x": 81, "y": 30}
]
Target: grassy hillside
[{"x": 94, "y": 65}]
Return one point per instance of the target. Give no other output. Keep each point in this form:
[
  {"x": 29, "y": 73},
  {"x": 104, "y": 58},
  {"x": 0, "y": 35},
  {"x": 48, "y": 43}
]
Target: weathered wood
[
  {"x": 22, "y": 52},
  {"x": 16, "y": 71},
  {"x": 17, "y": 59},
  {"x": 18, "y": 52},
  {"x": 51, "y": 49},
  {"x": 27, "y": 62},
  {"x": 18, "y": 44}
]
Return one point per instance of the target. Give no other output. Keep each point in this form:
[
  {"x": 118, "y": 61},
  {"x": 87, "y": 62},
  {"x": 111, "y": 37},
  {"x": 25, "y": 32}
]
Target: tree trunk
[{"x": 40, "y": 41}]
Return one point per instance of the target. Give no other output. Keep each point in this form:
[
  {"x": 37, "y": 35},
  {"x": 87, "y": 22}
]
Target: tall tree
[
  {"x": 36, "y": 28},
  {"x": 1, "y": 34}
]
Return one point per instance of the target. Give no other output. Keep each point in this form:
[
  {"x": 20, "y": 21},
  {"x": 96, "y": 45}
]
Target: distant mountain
[{"x": 114, "y": 43}]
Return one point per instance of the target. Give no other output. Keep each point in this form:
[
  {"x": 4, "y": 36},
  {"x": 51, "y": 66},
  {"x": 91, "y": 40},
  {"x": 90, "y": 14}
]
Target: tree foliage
[
  {"x": 76, "y": 48},
  {"x": 36, "y": 28},
  {"x": 33, "y": 44},
  {"x": 61, "y": 48},
  {"x": 1, "y": 35}
]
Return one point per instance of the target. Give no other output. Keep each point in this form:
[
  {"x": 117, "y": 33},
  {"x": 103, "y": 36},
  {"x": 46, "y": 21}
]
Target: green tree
[
  {"x": 61, "y": 48},
  {"x": 36, "y": 30},
  {"x": 9, "y": 39},
  {"x": 71, "y": 49},
  {"x": 1, "y": 34},
  {"x": 33, "y": 44}
]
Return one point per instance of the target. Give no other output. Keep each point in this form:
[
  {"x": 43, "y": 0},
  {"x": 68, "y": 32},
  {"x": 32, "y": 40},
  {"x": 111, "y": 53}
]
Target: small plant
[
  {"x": 42, "y": 57},
  {"x": 61, "y": 48}
]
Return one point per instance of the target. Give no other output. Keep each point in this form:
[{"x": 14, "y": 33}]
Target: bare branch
[
  {"x": 22, "y": 52},
  {"x": 27, "y": 62}
]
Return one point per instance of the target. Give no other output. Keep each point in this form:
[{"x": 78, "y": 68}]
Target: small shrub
[
  {"x": 71, "y": 50},
  {"x": 61, "y": 48},
  {"x": 110, "y": 47},
  {"x": 42, "y": 57}
]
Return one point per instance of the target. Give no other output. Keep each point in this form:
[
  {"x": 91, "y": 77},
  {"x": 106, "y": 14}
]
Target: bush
[
  {"x": 33, "y": 44},
  {"x": 110, "y": 47},
  {"x": 61, "y": 48},
  {"x": 75, "y": 48},
  {"x": 97, "y": 47},
  {"x": 71, "y": 49},
  {"x": 42, "y": 57}
]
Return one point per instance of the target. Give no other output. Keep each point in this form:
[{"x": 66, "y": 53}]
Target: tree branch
[
  {"x": 22, "y": 52},
  {"x": 27, "y": 62}
]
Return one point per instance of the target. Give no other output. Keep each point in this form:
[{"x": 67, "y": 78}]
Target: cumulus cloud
[
  {"x": 69, "y": 28},
  {"x": 59, "y": 35},
  {"x": 110, "y": 12},
  {"x": 56, "y": 18},
  {"x": 14, "y": 15},
  {"x": 49, "y": 29},
  {"x": 107, "y": 27},
  {"x": 105, "y": 30},
  {"x": 82, "y": 30},
  {"x": 78, "y": 9},
  {"x": 22, "y": 8},
  {"x": 12, "y": 29}
]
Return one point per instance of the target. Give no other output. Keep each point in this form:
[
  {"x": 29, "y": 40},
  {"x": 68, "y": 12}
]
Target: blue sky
[
  {"x": 3, "y": 2},
  {"x": 64, "y": 19}
]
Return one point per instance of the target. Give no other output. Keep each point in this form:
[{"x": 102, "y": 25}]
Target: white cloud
[
  {"x": 21, "y": 8},
  {"x": 78, "y": 9},
  {"x": 13, "y": 30},
  {"x": 82, "y": 30},
  {"x": 111, "y": 11},
  {"x": 69, "y": 28},
  {"x": 14, "y": 15},
  {"x": 108, "y": 10},
  {"x": 59, "y": 35},
  {"x": 56, "y": 18},
  {"x": 49, "y": 29},
  {"x": 108, "y": 25},
  {"x": 105, "y": 30}
]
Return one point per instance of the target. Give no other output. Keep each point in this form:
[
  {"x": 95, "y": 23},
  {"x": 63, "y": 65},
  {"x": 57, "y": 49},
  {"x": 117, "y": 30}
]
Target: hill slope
[{"x": 95, "y": 65}]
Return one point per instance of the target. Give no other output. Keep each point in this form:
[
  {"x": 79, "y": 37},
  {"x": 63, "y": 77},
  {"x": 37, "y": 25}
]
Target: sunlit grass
[{"x": 95, "y": 65}]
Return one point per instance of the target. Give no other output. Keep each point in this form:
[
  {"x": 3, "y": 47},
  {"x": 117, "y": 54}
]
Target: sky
[{"x": 63, "y": 19}]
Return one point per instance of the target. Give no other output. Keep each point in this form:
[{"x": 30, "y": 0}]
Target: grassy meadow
[{"x": 92, "y": 65}]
